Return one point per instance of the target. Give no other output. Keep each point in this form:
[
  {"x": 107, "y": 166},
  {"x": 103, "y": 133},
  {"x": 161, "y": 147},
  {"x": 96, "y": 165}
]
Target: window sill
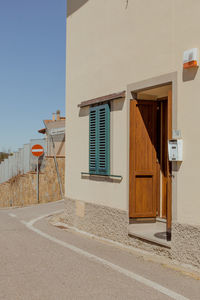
[{"x": 119, "y": 177}]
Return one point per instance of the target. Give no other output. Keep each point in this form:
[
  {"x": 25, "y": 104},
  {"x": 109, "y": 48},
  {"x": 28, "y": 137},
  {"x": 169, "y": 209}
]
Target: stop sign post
[{"x": 37, "y": 151}]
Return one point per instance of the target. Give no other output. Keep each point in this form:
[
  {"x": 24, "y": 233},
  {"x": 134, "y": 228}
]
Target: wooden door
[{"x": 143, "y": 161}]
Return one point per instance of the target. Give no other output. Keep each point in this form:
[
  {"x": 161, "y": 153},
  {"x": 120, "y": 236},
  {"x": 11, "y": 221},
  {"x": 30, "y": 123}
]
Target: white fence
[{"x": 22, "y": 161}]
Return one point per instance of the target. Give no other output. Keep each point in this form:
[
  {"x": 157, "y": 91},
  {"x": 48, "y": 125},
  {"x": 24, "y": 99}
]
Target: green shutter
[
  {"x": 104, "y": 139},
  {"x": 99, "y": 140},
  {"x": 93, "y": 131}
]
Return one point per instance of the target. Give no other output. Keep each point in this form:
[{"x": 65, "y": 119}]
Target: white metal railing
[{"x": 22, "y": 161}]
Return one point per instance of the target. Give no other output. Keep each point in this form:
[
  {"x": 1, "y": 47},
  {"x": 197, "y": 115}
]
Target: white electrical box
[{"x": 175, "y": 150}]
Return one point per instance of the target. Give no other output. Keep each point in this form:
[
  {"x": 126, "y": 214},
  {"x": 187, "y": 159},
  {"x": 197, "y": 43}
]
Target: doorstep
[{"x": 150, "y": 232}]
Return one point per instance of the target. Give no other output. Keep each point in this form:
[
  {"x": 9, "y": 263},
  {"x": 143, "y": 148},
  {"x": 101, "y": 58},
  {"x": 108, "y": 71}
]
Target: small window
[{"x": 99, "y": 140}]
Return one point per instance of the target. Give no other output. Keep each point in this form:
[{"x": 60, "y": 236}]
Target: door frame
[{"x": 132, "y": 90}]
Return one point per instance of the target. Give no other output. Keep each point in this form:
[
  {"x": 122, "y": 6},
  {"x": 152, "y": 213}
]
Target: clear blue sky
[{"x": 32, "y": 67}]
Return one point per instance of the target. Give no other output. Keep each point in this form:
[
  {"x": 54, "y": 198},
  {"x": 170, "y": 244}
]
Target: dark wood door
[{"x": 143, "y": 177}]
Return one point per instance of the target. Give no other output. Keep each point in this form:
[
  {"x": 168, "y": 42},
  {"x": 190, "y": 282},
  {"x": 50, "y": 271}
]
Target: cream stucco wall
[{"x": 110, "y": 45}]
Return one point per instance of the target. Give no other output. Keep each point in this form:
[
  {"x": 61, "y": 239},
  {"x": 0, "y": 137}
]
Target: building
[
  {"x": 55, "y": 135},
  {"x": 129, "y": 95}
]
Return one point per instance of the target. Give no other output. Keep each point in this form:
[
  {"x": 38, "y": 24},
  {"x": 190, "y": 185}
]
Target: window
[{"x": 99, "y": 140}]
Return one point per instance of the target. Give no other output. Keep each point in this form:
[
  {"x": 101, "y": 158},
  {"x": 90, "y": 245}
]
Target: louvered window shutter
[
  {"x": 104, "y": 139},
  {"x": 99, "y": 140},
  {"x": 93, "y": 131}
]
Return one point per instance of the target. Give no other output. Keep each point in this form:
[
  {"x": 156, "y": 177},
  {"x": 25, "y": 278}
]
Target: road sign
[{"x": 37, "y": 150}]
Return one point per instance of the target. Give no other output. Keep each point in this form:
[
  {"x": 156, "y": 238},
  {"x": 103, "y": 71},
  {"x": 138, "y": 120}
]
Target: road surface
[{"x": 42, "y": 261}]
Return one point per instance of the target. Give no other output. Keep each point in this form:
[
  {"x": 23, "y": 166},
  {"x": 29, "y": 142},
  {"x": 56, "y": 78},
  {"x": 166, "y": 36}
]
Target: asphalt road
[{"x": 41, "y": 261}]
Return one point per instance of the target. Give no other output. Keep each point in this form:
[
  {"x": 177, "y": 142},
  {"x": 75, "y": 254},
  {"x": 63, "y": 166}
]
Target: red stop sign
[{"x": 37, "y": 150}]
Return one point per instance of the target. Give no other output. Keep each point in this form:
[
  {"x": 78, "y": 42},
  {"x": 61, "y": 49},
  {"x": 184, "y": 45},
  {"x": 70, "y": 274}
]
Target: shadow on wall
[
  {"x": 84, "y": 111},
  {"x": 74, "y": 5},
  {"x": 189, "y": 74},
  {"x": 117, "y": 105}
]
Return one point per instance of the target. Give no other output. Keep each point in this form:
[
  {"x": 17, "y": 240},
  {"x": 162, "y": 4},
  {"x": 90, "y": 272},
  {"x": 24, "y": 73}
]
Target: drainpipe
[{"x": 55, "y": 161}]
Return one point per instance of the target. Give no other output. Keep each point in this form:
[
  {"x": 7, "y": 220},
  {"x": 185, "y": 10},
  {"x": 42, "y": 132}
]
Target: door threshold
[
  {"x": 141, "y": 220},
  {"x": 154, "y": 233},
  {"x": 159, "y": 219}
]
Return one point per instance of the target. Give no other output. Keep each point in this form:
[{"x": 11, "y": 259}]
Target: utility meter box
[{"x": 175, "y": 150}]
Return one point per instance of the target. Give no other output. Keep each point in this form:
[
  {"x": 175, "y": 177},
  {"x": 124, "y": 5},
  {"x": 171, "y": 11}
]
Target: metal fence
[{"x": 22, "y": 161}]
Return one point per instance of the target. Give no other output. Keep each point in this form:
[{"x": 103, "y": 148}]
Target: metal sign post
[
  {"x": 37, "y": 150},
  {"x": 38, "y": 179}
]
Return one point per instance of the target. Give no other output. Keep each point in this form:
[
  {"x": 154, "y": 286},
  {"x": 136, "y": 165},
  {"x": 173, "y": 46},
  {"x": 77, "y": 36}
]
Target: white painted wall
[{"x": 110, "y": 46}]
